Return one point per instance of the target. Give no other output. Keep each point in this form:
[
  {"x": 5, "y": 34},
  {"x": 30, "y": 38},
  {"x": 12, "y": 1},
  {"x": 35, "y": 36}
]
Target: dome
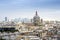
[
  {"x": 36, "y": 19},
  {"x": 36, "y": 16}
]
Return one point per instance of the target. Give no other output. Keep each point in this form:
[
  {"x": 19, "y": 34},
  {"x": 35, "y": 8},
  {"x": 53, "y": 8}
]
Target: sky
[{"x": 47, "y": 9}]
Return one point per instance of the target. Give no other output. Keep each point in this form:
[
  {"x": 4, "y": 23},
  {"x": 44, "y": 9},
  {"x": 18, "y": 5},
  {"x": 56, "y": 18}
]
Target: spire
[{"x": 36, "y": 13}]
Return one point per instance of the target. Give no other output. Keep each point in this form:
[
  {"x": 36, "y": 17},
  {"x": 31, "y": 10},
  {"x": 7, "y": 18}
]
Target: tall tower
[
  {"x": 6, "y": 19},
  {"x": 36, "y": 19}
]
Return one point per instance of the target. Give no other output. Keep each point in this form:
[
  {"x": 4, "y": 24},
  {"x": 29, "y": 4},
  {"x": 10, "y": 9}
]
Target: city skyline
[{"x": 47, "y": 9}]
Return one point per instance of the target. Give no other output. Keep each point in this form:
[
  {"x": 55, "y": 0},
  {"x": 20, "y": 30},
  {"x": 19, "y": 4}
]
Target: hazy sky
[{"x": 47, "y": 9}]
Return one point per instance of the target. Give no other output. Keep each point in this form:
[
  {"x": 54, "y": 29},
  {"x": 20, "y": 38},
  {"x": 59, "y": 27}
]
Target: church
[{"x": 36, "y": 20}]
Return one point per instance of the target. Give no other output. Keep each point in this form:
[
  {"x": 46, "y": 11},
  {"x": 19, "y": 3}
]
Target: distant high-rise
[
  {"x": 36, "y": 19},
  {"x": 6, "y": 19}
]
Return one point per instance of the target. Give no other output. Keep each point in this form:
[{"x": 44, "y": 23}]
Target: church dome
[
  {"x": 36, "y": 19},
  {"x": 36, "y": 16}
]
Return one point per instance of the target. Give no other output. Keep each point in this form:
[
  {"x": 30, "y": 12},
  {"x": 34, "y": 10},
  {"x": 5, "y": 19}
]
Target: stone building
[{"x": 36, "y": 20}]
